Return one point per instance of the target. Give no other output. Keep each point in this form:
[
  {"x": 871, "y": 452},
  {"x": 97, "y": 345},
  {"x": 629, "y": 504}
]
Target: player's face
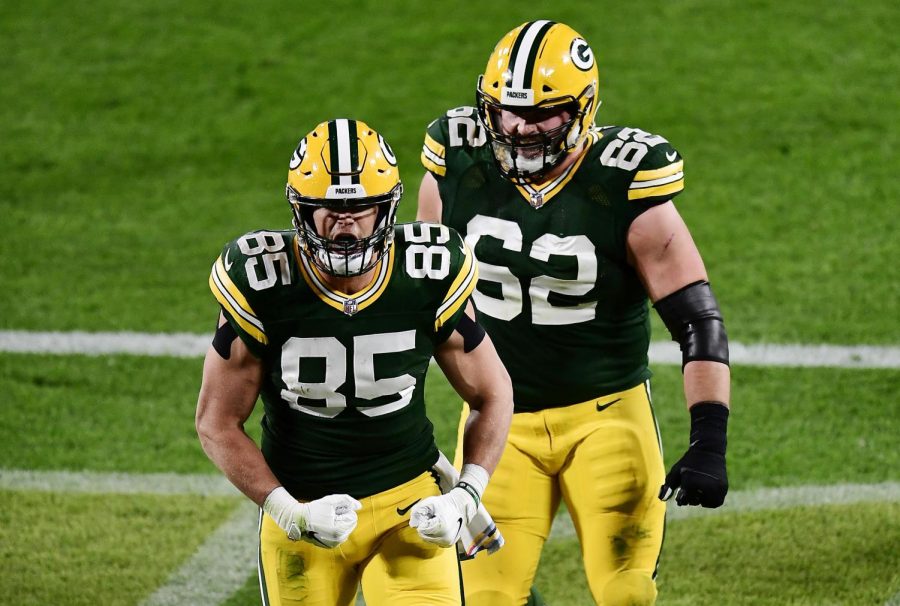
[
  {"x": 532, "y": 122},
  {"x": 345, "y": 226},
  {"x": 527, "y": 126}
]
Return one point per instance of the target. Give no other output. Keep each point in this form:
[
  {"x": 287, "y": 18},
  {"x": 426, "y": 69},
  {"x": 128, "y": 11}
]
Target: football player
[
  {"x": 574, "y": 229},
  {"x": 333, "y": 325}
]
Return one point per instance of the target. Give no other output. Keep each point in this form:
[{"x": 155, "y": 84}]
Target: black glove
[{"x": 699, "y": 477}]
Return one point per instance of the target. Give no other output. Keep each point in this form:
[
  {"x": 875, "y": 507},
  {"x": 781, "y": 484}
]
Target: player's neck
[{"x": 352, "y": 284}]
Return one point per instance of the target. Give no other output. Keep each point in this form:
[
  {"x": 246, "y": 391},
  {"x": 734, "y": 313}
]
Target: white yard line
[
  {"x": 98, "y": 482},
  {"x": 191, "y": 345}
]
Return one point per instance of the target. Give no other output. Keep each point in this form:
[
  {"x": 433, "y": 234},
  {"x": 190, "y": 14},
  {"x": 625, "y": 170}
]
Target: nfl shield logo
[
  {"x": 537, "y": 199},
  {"x": 350, "y": 307}
]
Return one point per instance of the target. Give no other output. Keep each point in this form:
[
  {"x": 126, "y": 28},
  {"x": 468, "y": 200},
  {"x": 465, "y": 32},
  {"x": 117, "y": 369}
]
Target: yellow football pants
[
  {"x": 604, "y": 459},
  {"x": 395, "y": 566}
]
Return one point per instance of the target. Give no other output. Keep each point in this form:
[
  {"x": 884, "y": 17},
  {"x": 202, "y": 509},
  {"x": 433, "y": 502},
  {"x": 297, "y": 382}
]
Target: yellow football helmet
[
  {"x": 344, "y": 165},
  {"x": 537, "y": 70}
]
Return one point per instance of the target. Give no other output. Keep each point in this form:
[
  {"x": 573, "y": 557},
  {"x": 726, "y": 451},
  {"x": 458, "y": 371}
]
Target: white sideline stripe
[
  {"x": 218, "y": 568},
  {"x": 763, "y": 499},
  {"x": 189, "y": 345}
]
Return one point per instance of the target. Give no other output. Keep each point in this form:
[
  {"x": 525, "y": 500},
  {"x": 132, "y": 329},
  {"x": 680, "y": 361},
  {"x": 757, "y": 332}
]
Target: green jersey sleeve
[
  {"x": 654, "y": 170},
  {"x": 459, "y": 286},
  {"x": 453, "y": 136},
  {"x": 437, "y": 257},
  {"x": 238, "y": 279}
]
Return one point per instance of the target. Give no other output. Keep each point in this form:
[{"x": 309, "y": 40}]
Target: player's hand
[
  {"x": 699, "y": 477},
  {"x": 440, "y": 520},
  {"x": 326, "y": 522}
]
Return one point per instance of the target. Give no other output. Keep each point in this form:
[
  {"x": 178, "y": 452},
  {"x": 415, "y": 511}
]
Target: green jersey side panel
[
  {"x": 565, "y": 310},
  {"x": 344, "y": 377}
]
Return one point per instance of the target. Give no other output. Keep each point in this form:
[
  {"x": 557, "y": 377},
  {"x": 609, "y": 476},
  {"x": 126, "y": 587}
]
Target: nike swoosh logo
[
  {"x": 671, "y": 156},
  {"x": 226, "y": 262},
  {"x": 401, "y": 511},
  {"x": 607, "y": 405},
  {"x": 458, "y": 527}
]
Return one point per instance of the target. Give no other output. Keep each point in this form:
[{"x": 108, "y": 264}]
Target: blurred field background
[{"x": 137, "y": 138}]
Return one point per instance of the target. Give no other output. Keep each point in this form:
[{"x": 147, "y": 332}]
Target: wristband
[
  {"x": 473, "y": 479},
  {"x": 280, "y": 506},
  {"x": 709, "y": 426}
]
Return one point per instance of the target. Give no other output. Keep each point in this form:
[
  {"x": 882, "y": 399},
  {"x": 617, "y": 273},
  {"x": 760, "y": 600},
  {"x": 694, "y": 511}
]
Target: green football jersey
[
  {"x": 343, "y": 390},
  {"x": 566, "y": 311}
]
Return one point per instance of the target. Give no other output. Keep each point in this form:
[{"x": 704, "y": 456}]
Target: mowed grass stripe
[
  {"x": 220, "y": 567},
  {"x": 191, "y": 345}
]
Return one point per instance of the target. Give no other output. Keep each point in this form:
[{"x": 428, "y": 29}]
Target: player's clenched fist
[
  {"x": 440, "y": 520},
  {"x": 326, "y": 522}
]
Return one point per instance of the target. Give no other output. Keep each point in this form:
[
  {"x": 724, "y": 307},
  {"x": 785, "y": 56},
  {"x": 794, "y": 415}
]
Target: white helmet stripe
[
  {"x": 342, "y": 129},
  {"x": 521, "y": 59}
]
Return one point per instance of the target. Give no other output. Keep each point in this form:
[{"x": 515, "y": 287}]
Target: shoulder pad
[
  {"x": 458, "y": 128},
  {"x": 655, "y": 166}
]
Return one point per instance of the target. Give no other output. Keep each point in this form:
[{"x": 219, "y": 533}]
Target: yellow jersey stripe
[
  {"x": 434, "y": 147},
  {"x": 665, "y": 171},
  {"x": 431, "y": 166},
  {"x": 231, "y": 299},
  {"x": 305, "y": 270},
  {"x": 459, "y": 291},
  {"x": 652, "y": 192},
  {"x": 433, "y": 154}
]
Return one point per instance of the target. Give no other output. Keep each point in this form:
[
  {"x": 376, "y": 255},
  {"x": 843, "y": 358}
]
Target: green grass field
[{"x": 138, "y": 138}]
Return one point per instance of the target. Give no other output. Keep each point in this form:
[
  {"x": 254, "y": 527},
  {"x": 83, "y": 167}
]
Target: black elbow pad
[{"x": 693, "y": 318}]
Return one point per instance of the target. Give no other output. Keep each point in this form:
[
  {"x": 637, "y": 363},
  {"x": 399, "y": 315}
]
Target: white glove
[
  {"x": 440, "y": 520},
  {"x": 326, "y": 522}
]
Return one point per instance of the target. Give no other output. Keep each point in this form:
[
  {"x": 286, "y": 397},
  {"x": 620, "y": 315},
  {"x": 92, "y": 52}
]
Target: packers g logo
[
  {"x": 299, "y": 154},
  {"x": 582, "y": 55},
  {"x": 387, "y": 151}
]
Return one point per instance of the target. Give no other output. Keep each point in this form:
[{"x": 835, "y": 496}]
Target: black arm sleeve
[{"x": 693, "y": 318}]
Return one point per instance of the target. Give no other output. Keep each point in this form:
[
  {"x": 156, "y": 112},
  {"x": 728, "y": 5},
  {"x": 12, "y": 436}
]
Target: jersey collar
[
  {"x": 348, "y": 303},
  {"x": 538, "y": 194}
]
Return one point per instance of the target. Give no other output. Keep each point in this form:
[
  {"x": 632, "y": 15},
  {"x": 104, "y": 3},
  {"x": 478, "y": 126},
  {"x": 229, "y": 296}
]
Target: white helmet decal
[
  {"x": 299, "y": 153},
  {"x": 387, "y": 151},
  {"x": 582, "y": 55}
]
